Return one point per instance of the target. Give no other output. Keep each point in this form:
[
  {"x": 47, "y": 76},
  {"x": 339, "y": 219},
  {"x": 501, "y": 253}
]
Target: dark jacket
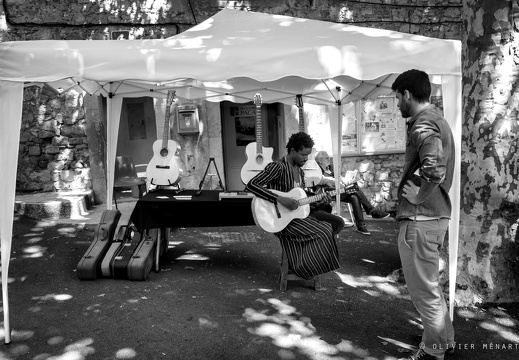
[{"x": 430, "y": 154}]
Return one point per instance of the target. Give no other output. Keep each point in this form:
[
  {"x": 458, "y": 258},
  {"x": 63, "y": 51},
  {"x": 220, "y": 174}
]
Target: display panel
[{"x": 382, "y": 128}]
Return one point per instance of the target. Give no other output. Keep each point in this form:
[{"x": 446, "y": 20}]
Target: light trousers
[{"x": 419, "y": 243}]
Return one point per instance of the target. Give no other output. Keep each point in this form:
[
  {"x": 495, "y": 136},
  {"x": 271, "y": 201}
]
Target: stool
[{"x": 284, "y": 275}]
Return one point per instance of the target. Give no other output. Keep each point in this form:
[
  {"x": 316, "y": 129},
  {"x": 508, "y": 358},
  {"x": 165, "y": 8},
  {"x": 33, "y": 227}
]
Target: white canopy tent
[{"x": 230, "y": 56}]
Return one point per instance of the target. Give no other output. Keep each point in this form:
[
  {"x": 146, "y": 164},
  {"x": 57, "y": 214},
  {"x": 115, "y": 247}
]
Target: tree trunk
[{"x": 488, "y": 267}]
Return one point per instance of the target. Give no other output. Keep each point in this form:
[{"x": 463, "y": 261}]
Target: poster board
[{"x": 382, "y": 128}]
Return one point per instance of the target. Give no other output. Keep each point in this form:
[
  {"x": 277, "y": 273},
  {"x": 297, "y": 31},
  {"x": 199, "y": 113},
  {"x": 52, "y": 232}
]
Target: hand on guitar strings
[
  {"x": 289, "y": 203},
  {"x": 327, "y": 199}
]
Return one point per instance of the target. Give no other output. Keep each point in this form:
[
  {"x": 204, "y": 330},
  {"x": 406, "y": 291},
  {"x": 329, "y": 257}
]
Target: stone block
[
  {"x": 66, "y": 155},
  {"x": 67, "y": 176},
  {"x": 51, "y": 149},
  {"x": 56, "y": 165},
  {"x": 60, "y": 140},
  {"x": 54, "y": 104},
  {"x": 45, "y": 134},
  {"x": 40, "y": 176},
  {"x": 75, "y": 141},
  {"x": 34, "y": 150},
  {"x": 73, "y": 130},
  {"x": 49, "y": 125},
  {"x": 381, "y": 175},
  {"x": 25, "y": 137}
]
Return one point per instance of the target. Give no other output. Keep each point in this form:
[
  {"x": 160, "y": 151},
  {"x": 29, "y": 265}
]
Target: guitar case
[
  {"x": 89, "y": 267},
  {"x": 132, "y": 239},
  {"x": 106, "y": 263},
  {"x": 141, "y": 262}
]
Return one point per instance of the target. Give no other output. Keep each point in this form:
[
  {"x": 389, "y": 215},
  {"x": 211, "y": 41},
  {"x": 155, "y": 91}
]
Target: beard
[{"x": 404, "y": 109}]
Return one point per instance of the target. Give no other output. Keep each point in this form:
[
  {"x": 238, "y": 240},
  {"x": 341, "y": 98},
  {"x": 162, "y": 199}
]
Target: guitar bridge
[{"x": 162, "y": 166}]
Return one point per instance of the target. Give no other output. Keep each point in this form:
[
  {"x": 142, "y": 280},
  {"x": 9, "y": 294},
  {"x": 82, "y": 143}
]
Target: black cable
[
  {"x": 403, "y": 5},
  {"x": 399, "y": 22},
  {"x": 192, "y": 12}
]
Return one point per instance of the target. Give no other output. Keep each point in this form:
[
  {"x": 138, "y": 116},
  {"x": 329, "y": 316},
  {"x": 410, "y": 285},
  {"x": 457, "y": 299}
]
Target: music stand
[{"x": 211, "y": 160}]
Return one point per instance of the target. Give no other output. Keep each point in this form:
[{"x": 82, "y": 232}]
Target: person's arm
[
  {"x": 327, "y": 181},
  {"x": 258, "y": 186},
  {"x": 432, "y": 170}
]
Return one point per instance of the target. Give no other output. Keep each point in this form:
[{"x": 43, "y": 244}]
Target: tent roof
[{"x": 232, "y": 56}]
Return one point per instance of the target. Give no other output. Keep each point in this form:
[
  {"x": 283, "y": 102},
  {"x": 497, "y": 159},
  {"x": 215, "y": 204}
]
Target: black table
[{"x": 166, "y": 209}]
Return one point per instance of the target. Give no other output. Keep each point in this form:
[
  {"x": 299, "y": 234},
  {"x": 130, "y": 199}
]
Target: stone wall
[
  {"x": 54, "y": 151},
  {"x": 380, "y": 176}
]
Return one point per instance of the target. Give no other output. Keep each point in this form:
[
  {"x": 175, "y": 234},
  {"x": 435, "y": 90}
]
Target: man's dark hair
[
  {"x": 416, "y": 82},
  {"x": 299, "y": 140}
]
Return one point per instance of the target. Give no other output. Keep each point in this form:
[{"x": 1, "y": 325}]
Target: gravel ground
[{"x": 217, "y": 297}]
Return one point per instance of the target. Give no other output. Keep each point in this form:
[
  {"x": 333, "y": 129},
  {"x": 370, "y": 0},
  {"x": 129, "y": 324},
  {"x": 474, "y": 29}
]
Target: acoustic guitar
[
  {"x": 312, "y": 170},
  {"x": 273, "y": 218},
  {"x": 258, "y": 156},
  {"x": 163, "y": 169}
]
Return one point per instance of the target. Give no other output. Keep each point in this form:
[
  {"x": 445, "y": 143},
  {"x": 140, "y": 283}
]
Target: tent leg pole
[
  {"x": 7, "y": 327},
  {"x": 338, "y": 160}
]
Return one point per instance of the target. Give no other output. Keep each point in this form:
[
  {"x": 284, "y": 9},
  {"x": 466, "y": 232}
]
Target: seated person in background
[
  {"x": 308, "y": 243},
  {"x": 357, "y": 199}
]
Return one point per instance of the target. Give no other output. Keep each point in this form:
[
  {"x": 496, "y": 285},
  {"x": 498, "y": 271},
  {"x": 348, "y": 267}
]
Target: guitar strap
[{"x": 277, "y": 209}]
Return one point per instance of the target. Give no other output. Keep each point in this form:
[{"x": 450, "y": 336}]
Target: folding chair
[{"x": 125, "y": 176}]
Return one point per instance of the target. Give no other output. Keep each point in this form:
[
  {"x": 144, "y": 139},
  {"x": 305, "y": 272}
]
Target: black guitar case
[
  {"x": 141, "y": 262},
  {"x": 117, "y": 241},
  {"x": 122, "y": 257},
  {"x": 89, "y": 267}
]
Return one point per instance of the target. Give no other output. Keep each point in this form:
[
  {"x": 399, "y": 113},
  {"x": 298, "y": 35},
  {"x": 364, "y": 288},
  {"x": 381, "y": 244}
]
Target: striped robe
[{"x": 309, "y": 243}]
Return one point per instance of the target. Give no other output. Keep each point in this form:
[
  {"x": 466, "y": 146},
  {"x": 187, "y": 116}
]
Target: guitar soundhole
[
  {"x": 259, "y": 159},
  {"x": 164, "y": 152}
]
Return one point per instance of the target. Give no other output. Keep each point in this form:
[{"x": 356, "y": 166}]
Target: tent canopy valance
[
  {"x": 234, "y": 50},
  {"x": 230, "y": 56}
]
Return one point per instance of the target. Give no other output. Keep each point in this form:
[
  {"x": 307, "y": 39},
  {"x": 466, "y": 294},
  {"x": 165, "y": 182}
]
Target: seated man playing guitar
[
  {"x": 357, "y": 199},
  {"x": 308, "y": 242}
]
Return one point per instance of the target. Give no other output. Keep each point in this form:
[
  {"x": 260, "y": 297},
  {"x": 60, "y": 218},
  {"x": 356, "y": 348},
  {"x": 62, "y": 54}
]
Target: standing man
[
  {"x": 424, "y": 209},
  {"x": 308, "y": 243}
]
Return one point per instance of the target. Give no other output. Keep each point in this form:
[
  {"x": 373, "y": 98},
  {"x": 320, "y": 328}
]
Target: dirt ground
[{"x": 217, "y": 297}]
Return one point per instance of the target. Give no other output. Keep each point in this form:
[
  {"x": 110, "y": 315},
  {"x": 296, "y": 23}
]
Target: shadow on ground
[{"x": 216, "y": 297}]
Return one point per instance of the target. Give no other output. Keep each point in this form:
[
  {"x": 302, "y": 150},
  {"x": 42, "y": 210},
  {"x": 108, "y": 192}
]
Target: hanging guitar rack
[{"x": 211, "y": 160}]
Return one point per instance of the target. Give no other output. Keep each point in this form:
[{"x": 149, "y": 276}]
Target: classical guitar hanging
[
  {"x": 257, "y": 156},
  {"x": 163, "y": 169},
  {"x": 311, "y": 169}
]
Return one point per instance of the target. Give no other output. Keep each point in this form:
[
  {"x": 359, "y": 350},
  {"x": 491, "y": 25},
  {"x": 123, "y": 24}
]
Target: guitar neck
[
  {"x": 314, "y": 198},
  {"x": 301, "y": 120},
  {"x": 165, "y": 133},
  {"x": 259, "y": 131}
]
